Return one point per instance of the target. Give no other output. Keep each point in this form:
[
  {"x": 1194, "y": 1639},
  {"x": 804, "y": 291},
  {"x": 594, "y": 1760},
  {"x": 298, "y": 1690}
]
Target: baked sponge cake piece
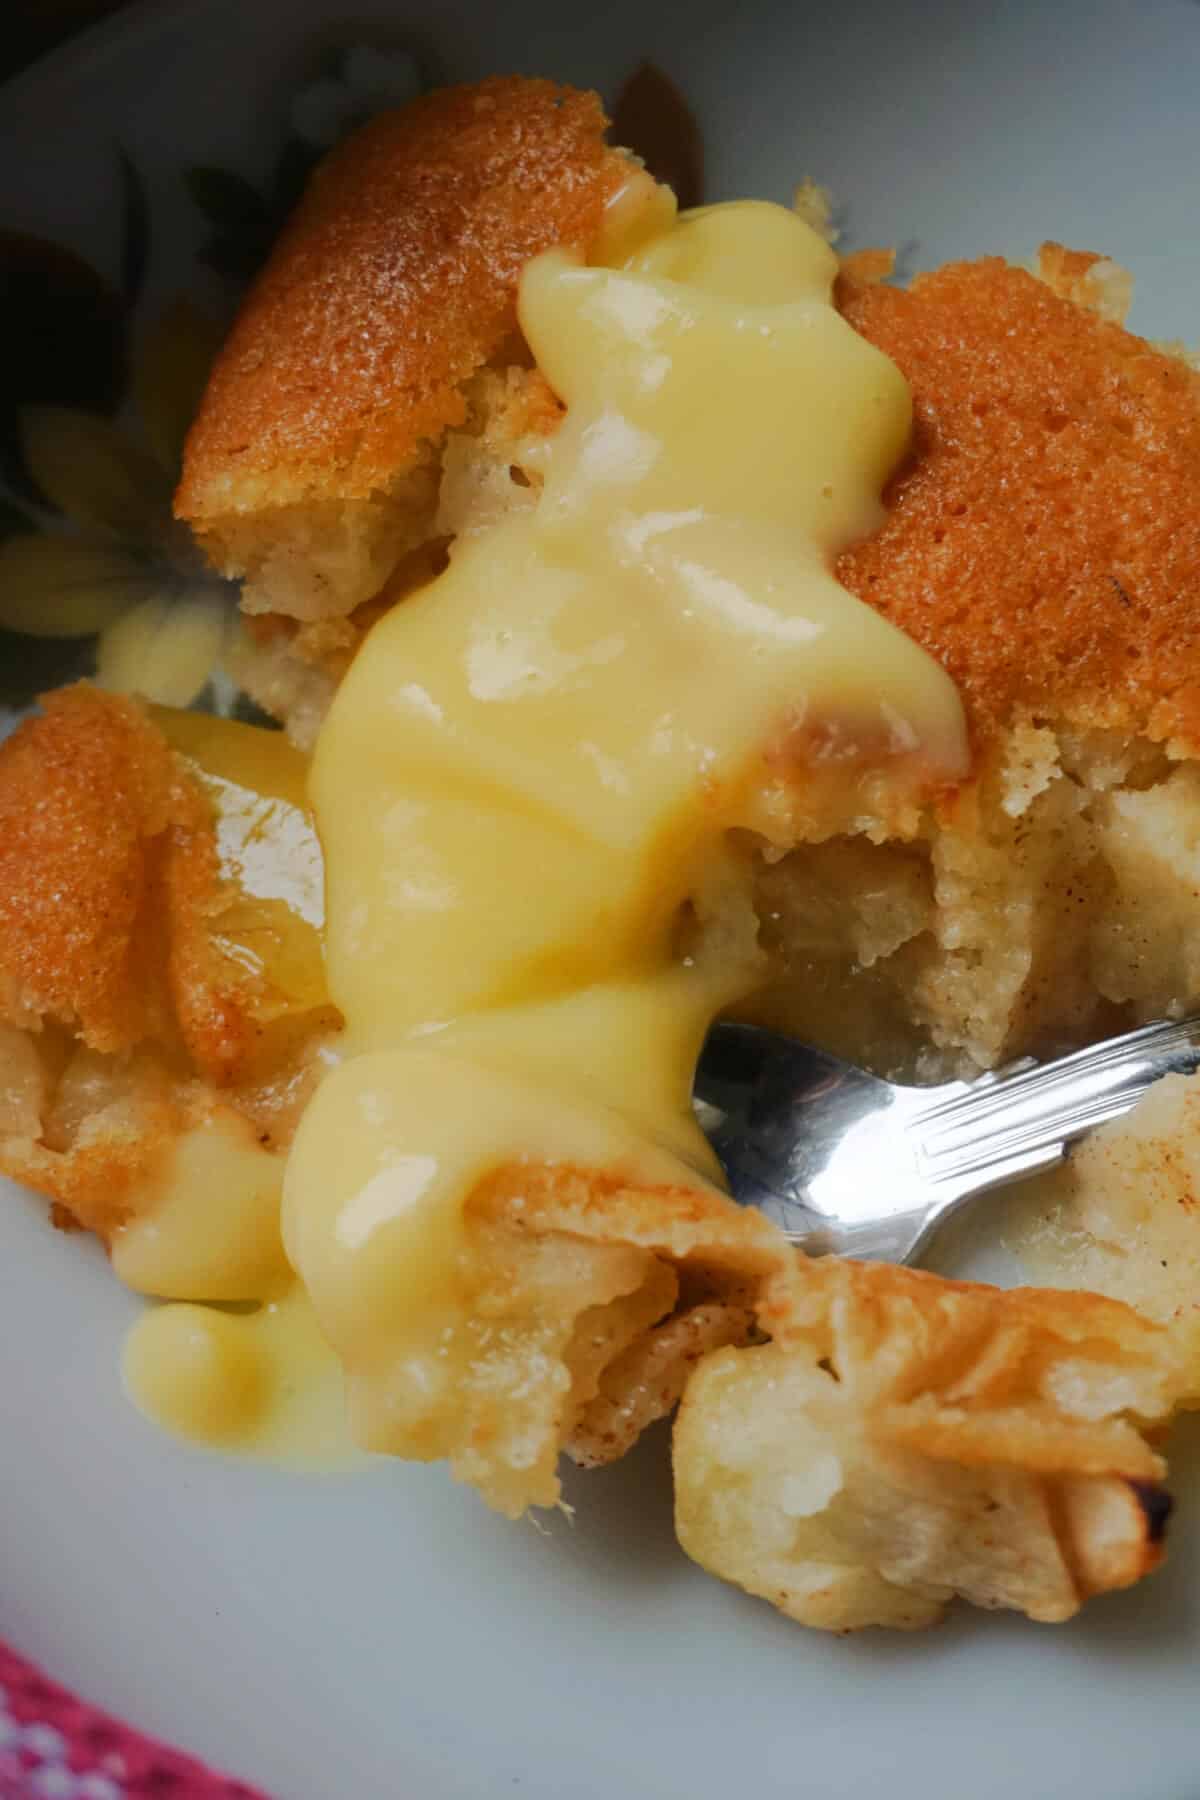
[
  {"x": 146, "y": 991},
  {"x": 1042, "y": 542},
  {"x": 314, "y": 462}
]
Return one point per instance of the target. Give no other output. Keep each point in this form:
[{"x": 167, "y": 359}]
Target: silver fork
[{"x": 853, "y": 1165}]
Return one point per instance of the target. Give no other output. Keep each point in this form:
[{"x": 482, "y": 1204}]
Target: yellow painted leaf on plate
[
  {"x": 53, "y": 587},
  {"x": 165, "y": 649},
  {"x": 92, "y": 473},
  {"x": 169, "y": 374}
]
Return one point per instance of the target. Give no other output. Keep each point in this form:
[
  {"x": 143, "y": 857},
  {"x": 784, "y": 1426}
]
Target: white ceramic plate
[{"x": 385, "y": 1635}]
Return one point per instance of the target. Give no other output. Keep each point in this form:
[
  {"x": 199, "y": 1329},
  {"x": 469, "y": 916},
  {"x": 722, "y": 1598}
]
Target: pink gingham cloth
[{"x": 55, "y": 1747}]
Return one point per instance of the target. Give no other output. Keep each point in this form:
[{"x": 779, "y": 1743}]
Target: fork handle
[{"x": 973, "y": 1141}]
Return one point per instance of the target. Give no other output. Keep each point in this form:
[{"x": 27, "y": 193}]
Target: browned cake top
[
  {"x": 1043, "y": 541},
  {"x": 88, "y": 791},
  {"x": 394, "y": 281},
  {"x": 114, "y": 917}
]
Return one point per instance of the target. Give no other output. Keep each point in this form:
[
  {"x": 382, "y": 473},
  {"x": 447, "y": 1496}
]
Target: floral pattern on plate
[{"x": 96, "y": 576}]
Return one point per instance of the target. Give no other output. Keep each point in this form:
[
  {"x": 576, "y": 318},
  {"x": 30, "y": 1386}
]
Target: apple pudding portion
[{"x": 674, "y": 623}]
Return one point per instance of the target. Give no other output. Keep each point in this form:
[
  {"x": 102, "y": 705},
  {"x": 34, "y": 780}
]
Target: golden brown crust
[
  {"x": 984, "y": 1375},
  {"x": 1043, "y": 541},
  {"x": 393, "y": 283},
  {"x": 122, "y": 1005},
  {"x": 111, "y": 889},
  {"x": 94, "y": 1188},
  {"x": 89, "y": 792},
  {"x": 97, "y": 1173},
  {"x": 955, "y": 1310},
  {"x": 694, "y": 1224}
]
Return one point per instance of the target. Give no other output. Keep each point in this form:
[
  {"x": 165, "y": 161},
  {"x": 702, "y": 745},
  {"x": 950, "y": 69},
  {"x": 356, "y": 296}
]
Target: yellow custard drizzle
[{"x": 534, "y": 765}]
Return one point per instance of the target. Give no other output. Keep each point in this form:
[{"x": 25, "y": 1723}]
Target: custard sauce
[{"x": 531, "y": 768}]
